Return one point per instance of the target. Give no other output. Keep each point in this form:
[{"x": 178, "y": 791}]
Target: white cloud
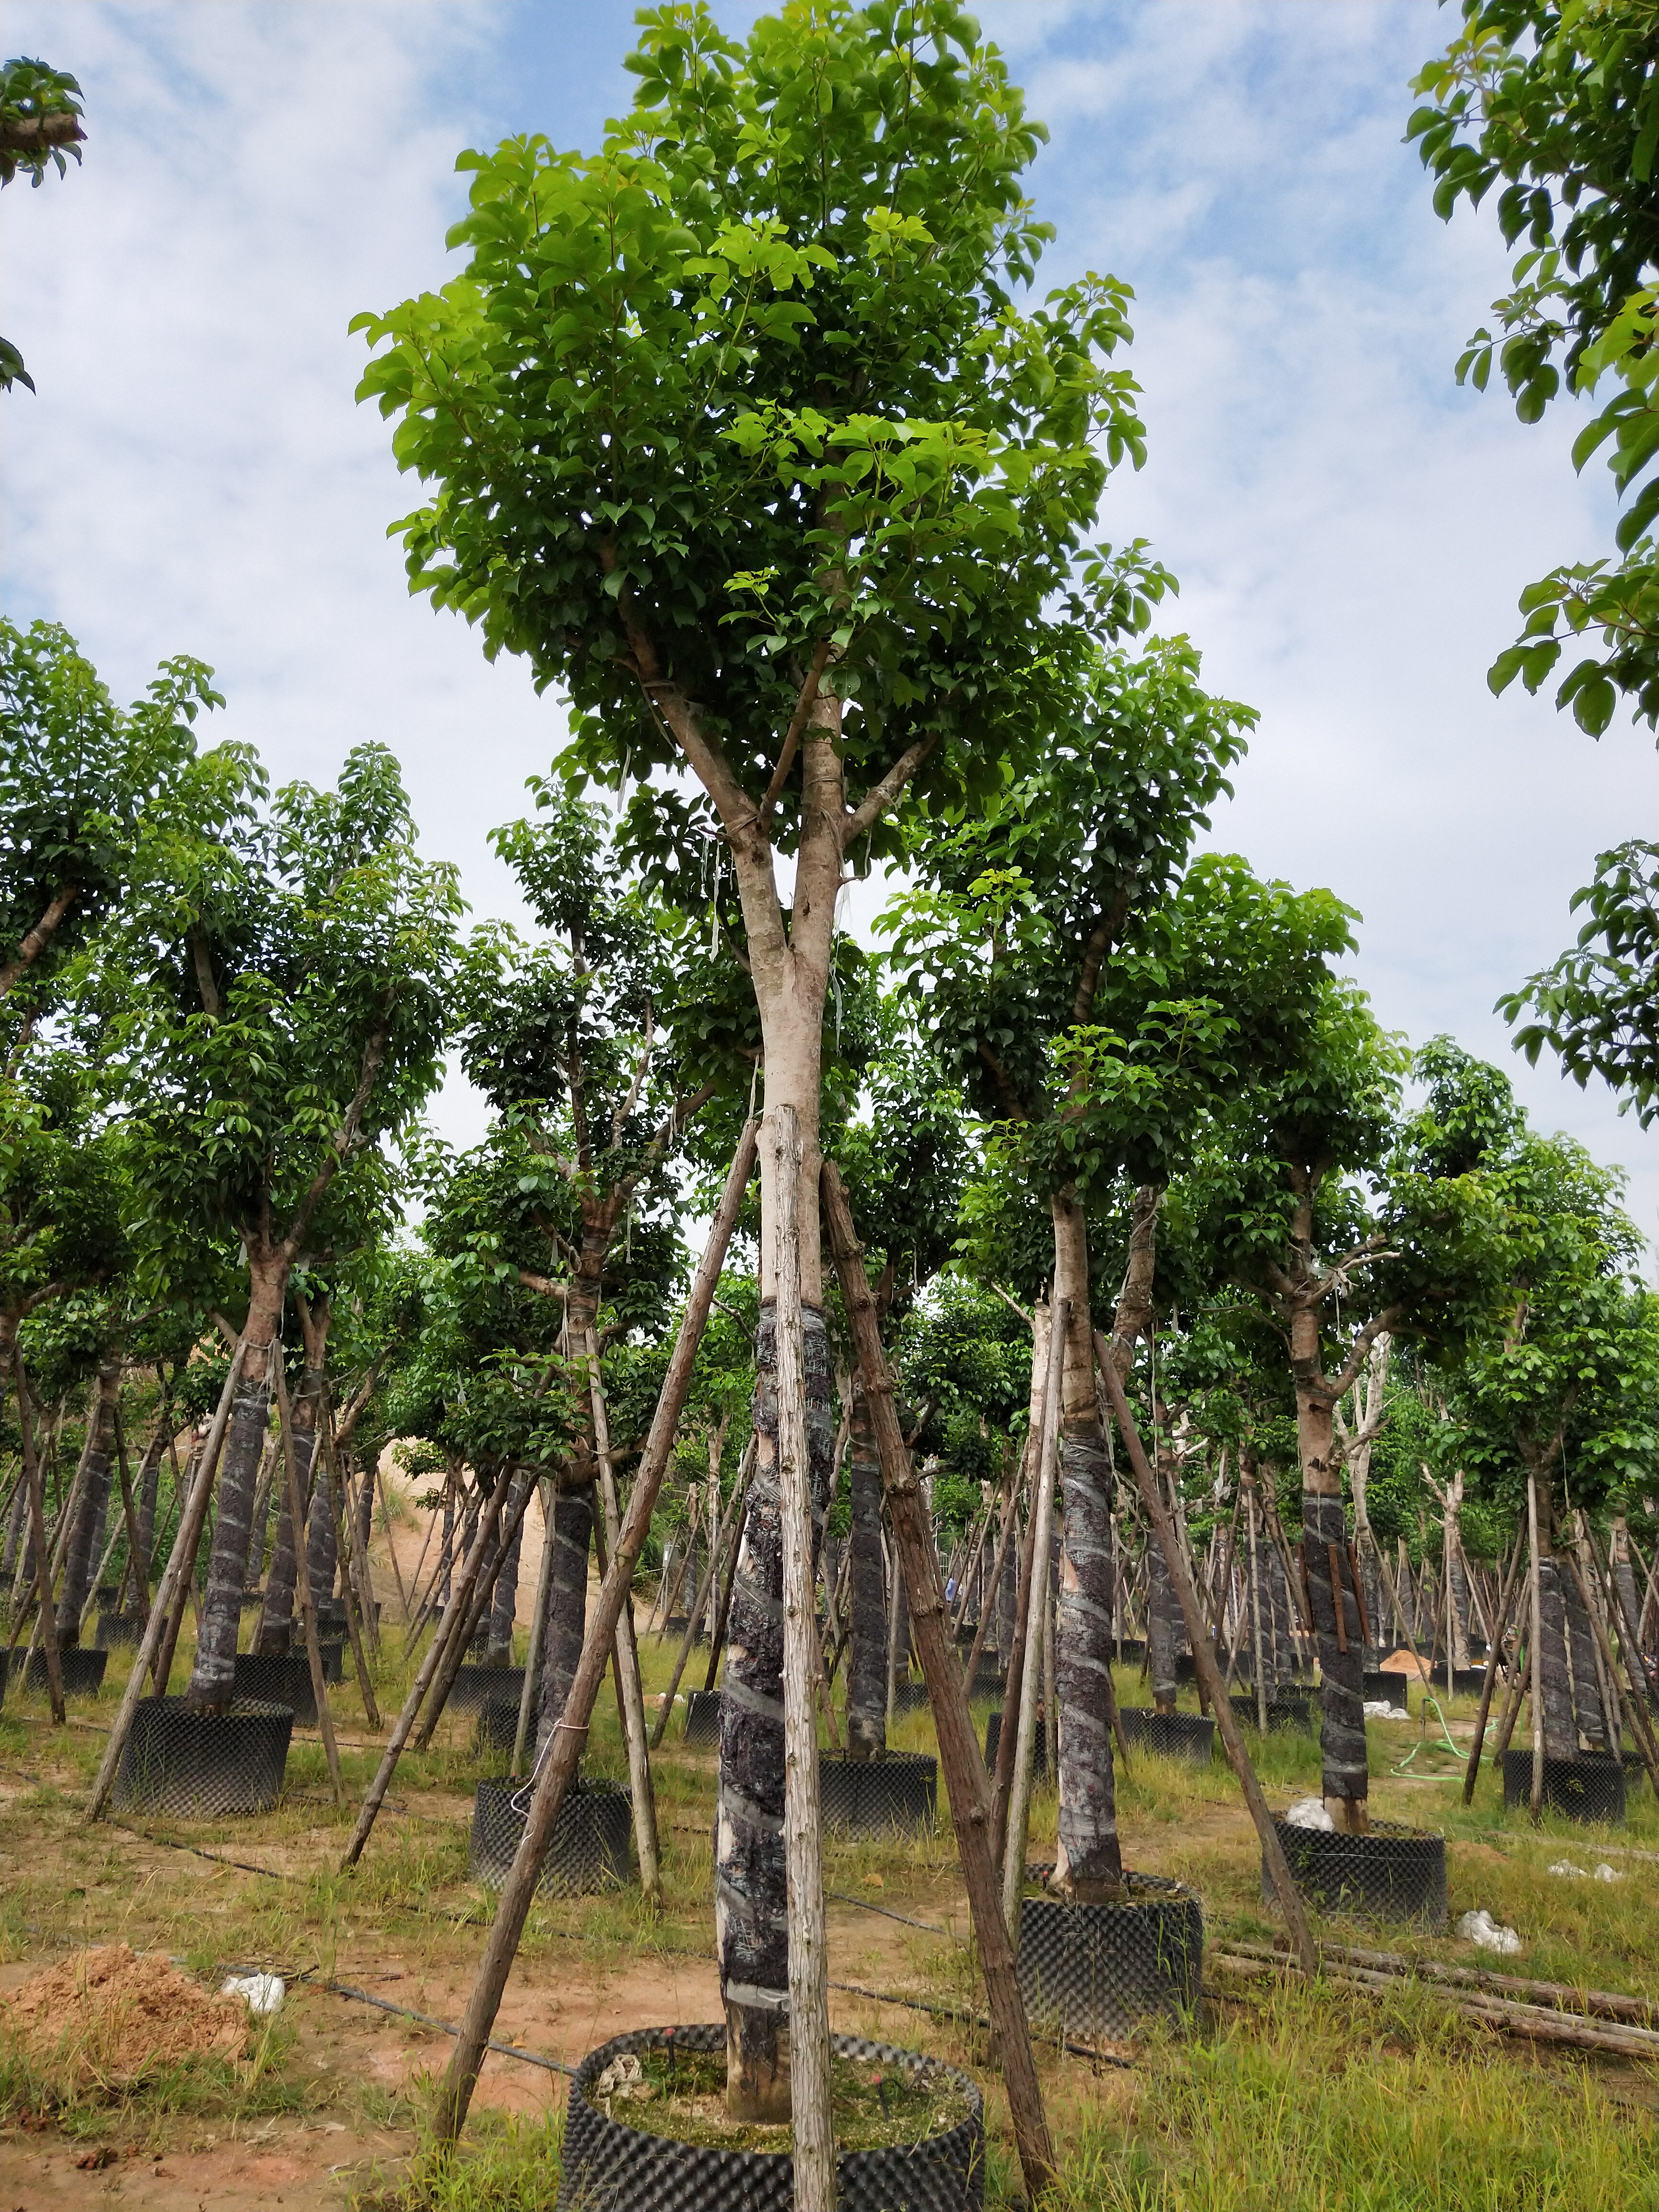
[{"x": 1350, "y": 531}]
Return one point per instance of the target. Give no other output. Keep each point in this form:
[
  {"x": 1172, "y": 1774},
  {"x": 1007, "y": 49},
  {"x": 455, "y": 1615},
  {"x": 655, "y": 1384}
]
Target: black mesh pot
[
  {"x": 119, "y": 1629},
  {"x": 702, "y": 1719},
  {"x": 1588, "y": 1788},
  {"x": 1384, "y": 1687},
  {"x": 1103, "y": 1969},
  {"x": 1285, "y": 1710},
  {"x": 993, "y": 1738},
  {"x": 587, "y": 1850},
  {"x": 1393, "y": 1873},
  {"x": 1465, "y": 1682},
  {"x": 472, "y": 1685},
  {"x": 1176, "y": 1736},
  {"x": 988, "y": 1680},
  {"x": 498, "y": 1727},
  {"x": 82, "y": 1671},
  {"x": 285, "y": 1679},
  {"x": 202, "y": 1767},
  {"x": 609, "y": 2166},
  {"x": 909, "y": 1695},
  {"x": 893, "y": 1795}
]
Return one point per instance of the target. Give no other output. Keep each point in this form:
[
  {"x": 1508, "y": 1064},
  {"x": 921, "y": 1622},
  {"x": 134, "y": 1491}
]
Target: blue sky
[{"x": 1350, "y": 530}]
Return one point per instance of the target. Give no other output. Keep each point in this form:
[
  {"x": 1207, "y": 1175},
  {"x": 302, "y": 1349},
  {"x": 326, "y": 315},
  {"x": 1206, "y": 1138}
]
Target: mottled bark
[
  {"x": 567, "y": 1606},
  {"x": 866, "y": 1661},
  {"x": 1164, "y": 1630},
  {"x": 1560, "y": 1725},
  {"x": 504, "y": 1605},
  {"x": 85, "y": 1532},
  {"x": 322, "y": 1530},
  {"x": 1007, "y": 1599},
  {"x": 750, "y": 1885},
  {"x": 1283, "y": 1649},
  {"x": 274, "y": 1635},
  {"x": 1587, "y": 1706},
  {"x": 14, "y": 1522},
  {"x": 1335, "y": 1605},
  {"x": 213, "y": 1678},
  {"x": 1089, "y": 1864}
]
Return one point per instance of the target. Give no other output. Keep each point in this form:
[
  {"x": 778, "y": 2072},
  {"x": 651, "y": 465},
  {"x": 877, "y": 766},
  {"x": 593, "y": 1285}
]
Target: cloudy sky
[{"x": 1350, "y": 531}]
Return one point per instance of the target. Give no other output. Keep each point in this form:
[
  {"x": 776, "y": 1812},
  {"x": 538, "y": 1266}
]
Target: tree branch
[
  {"x": 1330, "y": 1389},
  {"x": 791, "y": 736},
  {"x": 40, "y": 936},
  {"x": 1101, "y": 938},
  {"x": 1004, "y": 1081},
  {"x": 340, "y": 1145},
  {"x": 880, "y": 796}
]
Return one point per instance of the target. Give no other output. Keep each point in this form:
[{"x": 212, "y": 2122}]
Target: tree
[
  {"x": 737, "y": 433},
  {"x": 1349, "y": 1223},
  {"x": 40, "y": 124},
  {"x": 270, "y": 1014},
  {"x": 78, "y": 777}
]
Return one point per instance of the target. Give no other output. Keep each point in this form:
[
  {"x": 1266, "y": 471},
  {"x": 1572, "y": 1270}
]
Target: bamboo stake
[
  {"x": 1638, "y": 1719},
  {"x": 1042, "y": 1514},
  {"x": 1537, "y": 1653},
  {"x": 1013, "y": 1680},
  {"x": 959, "y": 1753},
  {"x": 532, "y": 1663},
  {"x": 1273, "y": 1851},
  {"x": 814, "y": 2148},
  {"x": 182, "y": 1565},
  {"x": 1494, "y": 1649},
  {"x": 461, "y": 2078},
  {"x": 507, "y": 1524},
  {"x": 631, "y": 1696},
  {"x": 303, "y": 1581},
  {"x": 666, "y": 1705},
  {"x": 453, "y": 1625},
  {"x": 45, "y": 1620},
  {"x": 1010, "y": 1523}
]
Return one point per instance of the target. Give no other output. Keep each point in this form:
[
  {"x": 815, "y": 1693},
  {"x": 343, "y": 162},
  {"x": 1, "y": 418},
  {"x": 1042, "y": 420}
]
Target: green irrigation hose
[{"x": 1445, "y": 1742}]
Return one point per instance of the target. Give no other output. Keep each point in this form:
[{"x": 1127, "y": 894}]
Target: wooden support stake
[
  {"x": 461, "y": 2078},
  {"x": 1273, "y": 1851},
  {"x": 46, "y": 1618},
  {"x": 1493, "y": 1656},
  {"x": 630, "y": 1693},
  {"x": 1042, "y": 1516},
  {"x": 163, "y": 1616},
  {"x": 454, "y": 1623},
  {"x": 303, "y": 1581},
  {"x": 532, "y": 1664},
  {"x": 814, "y": 2146},
  {"x": 959, "y": 1753}
]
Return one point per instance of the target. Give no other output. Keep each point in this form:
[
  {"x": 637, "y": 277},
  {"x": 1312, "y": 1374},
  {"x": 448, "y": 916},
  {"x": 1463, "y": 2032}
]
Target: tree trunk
[
  {"x": 213, "y": 1678},
  {"x": 274, "y": 1635},
  {"x": 866, "y": 1660},
  {"x": 87, "y": 1529},
  {"x": 1331, "y": 1591},
  {"x": 19, "y": 1515},
  {"x": 1089, "y": 1865},
  {"x": 567, "y": 1609},
  {"x": 1559, "y": 1723},
  {"x": 504, "y": 1606}
]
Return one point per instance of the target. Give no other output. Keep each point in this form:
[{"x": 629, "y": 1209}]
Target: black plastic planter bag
[
  {"x": 1383, "y": 1687},
  {"x": 82, "y": 1669},
  {"x": 286, "y": 1680},
  {"x": 993, "y": 1738},
  {"x": 1174, "y": 1735},
  {"x": 589, "y": 1847},
  {"x": 120, "y": 1631},
  {"x": 893, "y": 1795},
  {"x": 1104, "y": 1969},
  {"x": 1285, "y": 1711},
  {"x": 1391, "y": 1872},
  {"x": 1588, "y": 1788},
  {"x": 498, "y": 1727},
  {"x": 202, "y": 1767},
  {"x": 472, "y": 1685},
  {"x": 609, "y": 2166},
  {"x": 702, "y": 1720}
]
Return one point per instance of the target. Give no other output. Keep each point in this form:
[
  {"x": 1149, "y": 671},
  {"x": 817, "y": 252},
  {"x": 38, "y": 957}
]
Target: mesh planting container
[
  {"x": 1104, "y": 1969},
  {"x": 472, "y": 1685},
  {"x": 82, "y": 1669},
  {"x": 1392, "y": 1873},
  {"x": 1588, "y": 1788},
  {"x": 1174, "y": 1736},
  {"x": 498, "y": 1727},
  {"x": 118, "y": 1629},
  {"x": 202, "y": 1767},
  {"x": 1131, "y": 1650},
  {"x": 609, "y": 2166},
  {"x": 1286, "y": 1709},
  {"x": 588, "y": 1849},
  {"x": 674, "y": 1629},
  {"x": 702, "y": 1719},
  {"x": 284, "y": 1679},
  {"x": 1383, "y": 1687},
  {"x": 993, "y": 1738},
  {"x": 893, "y": 1795},
  {"x": 909, "y": 1694}
]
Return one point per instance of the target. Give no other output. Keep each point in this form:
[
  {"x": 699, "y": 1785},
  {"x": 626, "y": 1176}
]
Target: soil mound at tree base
[{"x": 111, "y": 2016}]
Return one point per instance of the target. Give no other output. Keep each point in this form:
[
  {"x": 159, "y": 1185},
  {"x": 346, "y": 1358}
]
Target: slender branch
[
  {"x": 880, "y": 796},
  {"x": 1004, "y": 1081},
  {"x": 791, "y": 736},
  {"x": 1101, "y": 938},
  {"x": 40, "y": 936},
  {"x": 545, "y": 1284},
  {"x": 1332, "y": 1388},
  {"x": 618, "y": 1119},
  {"x": 343, "y": 1141}
]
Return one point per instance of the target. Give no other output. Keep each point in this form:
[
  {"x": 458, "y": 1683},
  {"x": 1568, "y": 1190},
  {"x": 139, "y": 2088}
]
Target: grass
[{"x": 1292, "y": 2098}]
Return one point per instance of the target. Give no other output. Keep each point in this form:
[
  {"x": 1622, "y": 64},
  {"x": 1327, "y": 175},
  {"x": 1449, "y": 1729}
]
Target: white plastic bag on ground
[
  {"x": 1379, "y": 1709},
  {"x": 1605, "y": 1873},
  {"x": 1491, "y": 1935},
  {"x": 263, "y": 1992},
  {"x": 1566, "y": 1866},
  {"x": 1309, "y": 1812}
]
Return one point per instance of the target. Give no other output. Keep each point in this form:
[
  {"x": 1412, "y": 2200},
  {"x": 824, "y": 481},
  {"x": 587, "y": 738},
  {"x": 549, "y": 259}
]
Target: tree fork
[{"x": 959, "y": 1753}]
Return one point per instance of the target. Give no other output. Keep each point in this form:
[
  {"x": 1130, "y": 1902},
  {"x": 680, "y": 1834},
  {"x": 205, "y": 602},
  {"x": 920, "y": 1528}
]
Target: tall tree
[{"x": 737, "y": 432}]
